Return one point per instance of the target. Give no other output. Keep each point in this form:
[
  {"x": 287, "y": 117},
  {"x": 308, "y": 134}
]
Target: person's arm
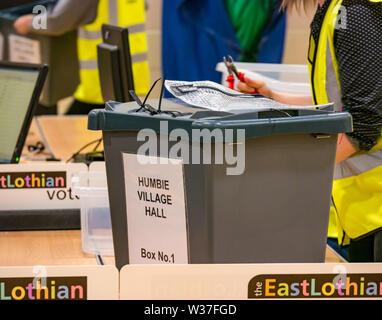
[
  {"x": 358, "y": 50},
  {"x": 292, "y": 99},
  {"x": 345, "y": 149},
  {"x": 66, "y": 16}
]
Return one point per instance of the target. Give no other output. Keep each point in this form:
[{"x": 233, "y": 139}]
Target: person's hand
[
  {"x": 250, "y": 85},
  {"x": 23, "y": 24}
]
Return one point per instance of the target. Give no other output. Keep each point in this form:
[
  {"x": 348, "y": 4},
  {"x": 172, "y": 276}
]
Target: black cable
[
  {"x": 161, "y": 93},
  {"x": 84, "y": 147},
  {"x": 39, "y": 147},
  {"x": 100, "y": 260},
  {"x": 343, "y": 233},
  {"x": 98, "y": 144},
  {"x": 148, "y": 108},
  {"x": 143, "y": 105},
  {"x": 282, "y": 111},
  {"x": 151, "y": 89}
]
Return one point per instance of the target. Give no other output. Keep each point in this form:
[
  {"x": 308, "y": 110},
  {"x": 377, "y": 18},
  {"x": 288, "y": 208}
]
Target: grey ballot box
[
  {"x": 277, "y": 211},
  {"x": 59, "y": 52}
]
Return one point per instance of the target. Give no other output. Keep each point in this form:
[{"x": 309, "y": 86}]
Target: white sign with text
[
  {"x": 156, "y": 210},
  {"x": 22, "y": 49},
  {"x": 38, "y": 186},
  {"x": 59, "y": 283}
]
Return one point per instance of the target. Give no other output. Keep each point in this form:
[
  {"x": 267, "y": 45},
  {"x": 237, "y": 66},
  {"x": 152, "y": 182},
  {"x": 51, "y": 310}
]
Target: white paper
[
  {"x": 22, "y": 49},
  {"x": 157, "y": 230}
]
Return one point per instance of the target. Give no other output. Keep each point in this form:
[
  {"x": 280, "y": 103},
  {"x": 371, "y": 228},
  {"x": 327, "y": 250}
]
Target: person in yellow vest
[
  {"x": 345, "y": 67},
  {"x": 88, "y": 16}
]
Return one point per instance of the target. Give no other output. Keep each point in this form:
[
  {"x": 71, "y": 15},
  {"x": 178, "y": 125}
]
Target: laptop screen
[{"x": 16, "y": 92}]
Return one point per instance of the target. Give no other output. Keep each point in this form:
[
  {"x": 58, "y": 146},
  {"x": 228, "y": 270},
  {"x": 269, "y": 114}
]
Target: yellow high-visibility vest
[
  {"x": 357, "y": 188},
  {"x": 122, "y": 13}
]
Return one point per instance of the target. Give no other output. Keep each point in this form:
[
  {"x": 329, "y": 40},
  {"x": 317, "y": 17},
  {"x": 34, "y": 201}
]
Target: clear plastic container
[
  {"x": 286, "y": 78},
  {"x": 91, "y": 187}
]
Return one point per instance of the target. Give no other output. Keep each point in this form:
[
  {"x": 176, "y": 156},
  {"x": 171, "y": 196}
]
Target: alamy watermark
[
  {"x": 40, "y": 20},
  {"x": 341, "y": 19},
  {"x": 202, "y": 146}
]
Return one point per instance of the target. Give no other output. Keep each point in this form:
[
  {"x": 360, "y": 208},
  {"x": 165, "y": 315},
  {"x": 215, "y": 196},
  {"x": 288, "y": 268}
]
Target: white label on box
[
  {"x": 38, "y": 186},
  {"x": 1, "y": 46},
  {"x": 156, "y": 211},
  {"x": 22, "y": 49}
]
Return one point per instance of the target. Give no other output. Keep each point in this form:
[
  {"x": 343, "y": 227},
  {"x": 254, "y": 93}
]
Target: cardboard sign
[
  {"x": 252, "y": 281},
  {"x": 156, "y": 211},
  {"x": 59, "y": 283},
  {"x": 22, "y": 49},
  {"x": 38, "y": 186}
]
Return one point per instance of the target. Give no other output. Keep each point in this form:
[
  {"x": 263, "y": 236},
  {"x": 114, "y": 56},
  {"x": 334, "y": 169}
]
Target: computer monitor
[
  {"x": 20, "y": 89},
  {"x": 114, "y": 63}
]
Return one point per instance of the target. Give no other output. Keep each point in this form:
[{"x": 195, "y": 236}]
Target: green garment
[{"x": 249, "y": 19}]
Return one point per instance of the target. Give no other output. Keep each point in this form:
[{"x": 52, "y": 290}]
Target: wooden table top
[
  {"x": 65, "y": 135},
  {"x": 31, "y": 248},
  {"x": 50, "y": 248}
]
